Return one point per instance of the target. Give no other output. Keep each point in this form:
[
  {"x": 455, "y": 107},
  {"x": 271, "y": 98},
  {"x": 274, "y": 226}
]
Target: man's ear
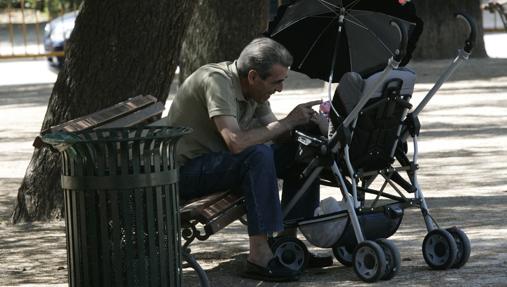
[{"x": 252, "y": 76}]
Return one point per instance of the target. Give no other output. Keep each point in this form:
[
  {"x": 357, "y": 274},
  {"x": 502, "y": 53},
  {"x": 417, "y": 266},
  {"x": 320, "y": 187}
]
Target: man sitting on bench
[{"x": 226, "y": 151}]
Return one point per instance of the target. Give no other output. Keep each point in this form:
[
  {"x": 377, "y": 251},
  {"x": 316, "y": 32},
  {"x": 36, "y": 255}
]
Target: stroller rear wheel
[
  {"x": 369, "y": 261},
  {"x": 463, "y": 244},
  {"x": 291, "y": 252},
  {"x": 393, "y": 258},
  {"x": 344, "y": 254},
  {"x": 439, "y": 249}
]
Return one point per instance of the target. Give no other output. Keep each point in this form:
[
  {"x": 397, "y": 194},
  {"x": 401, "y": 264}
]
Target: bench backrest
[{"x": 134, "y": 111}]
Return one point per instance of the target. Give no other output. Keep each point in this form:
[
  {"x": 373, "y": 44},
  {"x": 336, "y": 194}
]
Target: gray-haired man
[{"x": 226, "y": 104}]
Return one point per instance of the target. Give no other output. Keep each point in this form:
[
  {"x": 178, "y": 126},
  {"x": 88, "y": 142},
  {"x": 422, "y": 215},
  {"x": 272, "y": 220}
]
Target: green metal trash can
[{"x": 121, "y": 206}]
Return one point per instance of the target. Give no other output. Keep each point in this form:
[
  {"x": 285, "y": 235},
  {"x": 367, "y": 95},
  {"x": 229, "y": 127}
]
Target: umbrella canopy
[{"x": 327, "y": 37}]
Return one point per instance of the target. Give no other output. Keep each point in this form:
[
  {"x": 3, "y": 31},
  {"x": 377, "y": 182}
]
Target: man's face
[{"x": 262, "y": 89}]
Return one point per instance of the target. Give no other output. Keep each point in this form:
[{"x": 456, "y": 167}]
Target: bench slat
[
  {"x": 226, "y": 218},
  {"x": 103, "y": 116},
  {"x": 207, "y": 208},
  {"x": 136, "y": 117},
  {"x": 112, "y": 114}
]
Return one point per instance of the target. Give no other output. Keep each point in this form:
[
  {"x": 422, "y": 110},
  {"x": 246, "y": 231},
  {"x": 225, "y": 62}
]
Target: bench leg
[{"x": 193, "y": 263}]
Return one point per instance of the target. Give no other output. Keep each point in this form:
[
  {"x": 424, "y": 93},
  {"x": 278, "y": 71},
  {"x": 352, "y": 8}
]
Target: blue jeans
[{"x": 254, "y": 173}]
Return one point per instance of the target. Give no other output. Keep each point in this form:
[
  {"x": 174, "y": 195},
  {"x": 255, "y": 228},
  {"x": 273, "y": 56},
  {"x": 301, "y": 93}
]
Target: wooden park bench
[
  {"x": 200, "y": 218},
  {"x": 205, "y": 216}
]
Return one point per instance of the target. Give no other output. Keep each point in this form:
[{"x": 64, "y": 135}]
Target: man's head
[{"x": 262, "y": 66}]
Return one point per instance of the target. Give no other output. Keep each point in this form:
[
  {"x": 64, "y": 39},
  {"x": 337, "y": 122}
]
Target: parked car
[{"x": 56, "y": 33}]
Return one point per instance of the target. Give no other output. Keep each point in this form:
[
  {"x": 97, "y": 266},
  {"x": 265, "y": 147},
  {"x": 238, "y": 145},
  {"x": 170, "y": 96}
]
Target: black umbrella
[{"x": 321, "y": 32}]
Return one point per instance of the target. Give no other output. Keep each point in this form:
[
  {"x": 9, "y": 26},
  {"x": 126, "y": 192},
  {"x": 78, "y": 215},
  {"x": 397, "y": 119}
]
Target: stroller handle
[
  {"x": 402, "y": 30},
  {"x": 472, "y": 31}
]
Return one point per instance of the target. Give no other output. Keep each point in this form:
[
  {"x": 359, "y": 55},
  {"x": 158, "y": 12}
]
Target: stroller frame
[{"x": 458, "y": 246}]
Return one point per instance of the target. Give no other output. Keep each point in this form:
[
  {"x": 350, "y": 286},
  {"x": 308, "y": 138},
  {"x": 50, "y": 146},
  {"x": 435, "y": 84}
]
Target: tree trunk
[
  {"x": 218, "y": 31},
  {"x": 118, "y": 49},
  {"x": 443, "y": 34}
]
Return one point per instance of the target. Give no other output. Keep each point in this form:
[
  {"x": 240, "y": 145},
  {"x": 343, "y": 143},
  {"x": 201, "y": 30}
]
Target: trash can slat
[
  {"x": 104, "y": 233},
  {"x": 115, "y": 221},
  {"x": 93, "y": 239},
  {"x": 161, "y": 235},
  {"x": 140, "y": 233},
  {"x": 151, "y": 239}
]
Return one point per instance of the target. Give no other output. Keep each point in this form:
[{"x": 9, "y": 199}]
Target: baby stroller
[{"x": 366, "y": 157}]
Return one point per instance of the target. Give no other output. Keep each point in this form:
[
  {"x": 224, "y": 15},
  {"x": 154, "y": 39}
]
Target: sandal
[{"x": 273, "y": 272}]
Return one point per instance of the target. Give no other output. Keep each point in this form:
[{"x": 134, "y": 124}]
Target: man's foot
[
  {"x": 315, "y": 261},
  {"x": 273, "y": 272}
]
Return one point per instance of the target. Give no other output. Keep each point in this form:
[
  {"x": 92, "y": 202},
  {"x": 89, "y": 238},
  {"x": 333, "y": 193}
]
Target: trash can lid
[{"x": 62, "y": 140}]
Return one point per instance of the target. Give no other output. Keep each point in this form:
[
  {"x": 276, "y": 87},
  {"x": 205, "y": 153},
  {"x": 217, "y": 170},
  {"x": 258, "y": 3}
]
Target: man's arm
[
  {"x": 237, "y": 140},
  {"x": 267, "y": 119}
]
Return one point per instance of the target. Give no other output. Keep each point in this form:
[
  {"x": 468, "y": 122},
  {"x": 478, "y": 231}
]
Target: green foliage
[{"x": 59, "y": 7}]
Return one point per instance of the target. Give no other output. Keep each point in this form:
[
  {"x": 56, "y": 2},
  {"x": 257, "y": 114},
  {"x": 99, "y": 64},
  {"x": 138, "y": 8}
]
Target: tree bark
[
  {"x": 118, "y": 49},
  {"x": 218, "y": 31},
  {"x": 443, "y": 34}
]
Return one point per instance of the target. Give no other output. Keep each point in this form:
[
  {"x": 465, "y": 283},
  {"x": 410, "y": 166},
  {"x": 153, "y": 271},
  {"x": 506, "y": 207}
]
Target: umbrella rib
[
  {"x": 316, "y": 16},
  {"x": 352, "y": 4},
  {"x": 323, "y": 16},
  {"x": 328, "y": 4},
  {"x": 331, "y": 7},
  {"x": 355, "y": 21},
  {"x": 358, "y": 23},
  {"x": 314, "y": 43}
]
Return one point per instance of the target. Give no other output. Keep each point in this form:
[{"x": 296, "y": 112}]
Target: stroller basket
[
  {"x": 334, "y": 229},
  {"x": 325, "y": 230}
]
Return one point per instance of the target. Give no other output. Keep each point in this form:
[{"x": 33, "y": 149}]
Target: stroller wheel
[
  {"x": 463, "y": 244},
  {"x": 439, "y": 249},
  {"x": 291, "y": 252},
  {"x": 344, "y": 254},
  {"x": 369, "y": 261},
  {"x": 393, "y": 259}
]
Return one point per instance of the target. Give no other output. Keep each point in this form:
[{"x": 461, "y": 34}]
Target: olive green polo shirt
[{"x": 213, "y": 90}]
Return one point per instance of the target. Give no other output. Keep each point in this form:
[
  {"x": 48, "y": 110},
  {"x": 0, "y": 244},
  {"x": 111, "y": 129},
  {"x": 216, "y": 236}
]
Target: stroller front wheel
[
  {"x": 439, "y": 249},
  {"x": 393, "y": 258},
  {"x": 463, "y": 244},
  {"x": 291, "y": 252},
  {"x": 369, "y": 261}
]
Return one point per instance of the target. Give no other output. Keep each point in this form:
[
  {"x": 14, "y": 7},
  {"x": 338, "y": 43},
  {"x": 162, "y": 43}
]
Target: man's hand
[
  {"x": 237, "y": 140},
  {"x": 301, "y": 114}
]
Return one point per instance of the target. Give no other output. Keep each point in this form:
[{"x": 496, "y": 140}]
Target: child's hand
[{"x": 325, "y": 107}]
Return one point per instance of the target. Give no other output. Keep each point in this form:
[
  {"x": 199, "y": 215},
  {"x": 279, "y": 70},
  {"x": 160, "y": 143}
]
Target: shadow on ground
[
  {"x": 473, "y": 69},
  {"x": 479, "y": 216}
]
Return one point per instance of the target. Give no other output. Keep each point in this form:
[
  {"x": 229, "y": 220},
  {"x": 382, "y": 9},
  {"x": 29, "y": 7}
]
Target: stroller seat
[
  {"x": 374, "y": 139},
  {"x": 379, "y": 124}
]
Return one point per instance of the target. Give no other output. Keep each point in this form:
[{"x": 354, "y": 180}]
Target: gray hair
[{"x": 260, "y": 55}]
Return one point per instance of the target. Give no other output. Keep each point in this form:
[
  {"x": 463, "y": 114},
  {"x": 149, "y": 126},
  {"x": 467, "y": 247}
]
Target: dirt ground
[{"x": 463, "y": 174}]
